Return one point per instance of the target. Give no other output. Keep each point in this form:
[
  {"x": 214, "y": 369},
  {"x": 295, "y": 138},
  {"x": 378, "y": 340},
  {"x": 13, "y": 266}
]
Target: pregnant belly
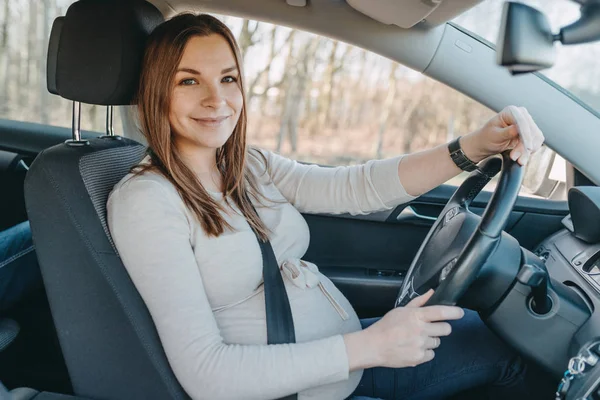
[{"x": 314, "y": 316}]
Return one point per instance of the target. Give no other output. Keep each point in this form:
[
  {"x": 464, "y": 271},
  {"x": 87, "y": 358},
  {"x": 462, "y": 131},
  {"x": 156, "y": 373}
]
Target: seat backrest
[{"x": 107, "y": 336}]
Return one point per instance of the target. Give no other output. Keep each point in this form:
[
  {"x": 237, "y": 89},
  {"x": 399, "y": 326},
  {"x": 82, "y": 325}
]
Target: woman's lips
[{"x": 211, "y": 122}]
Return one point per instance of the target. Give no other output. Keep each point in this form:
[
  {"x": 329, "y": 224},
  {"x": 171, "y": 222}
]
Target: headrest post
[
  {"x": 109, "y": 121},
  {"x": 76, "y": 127},
  {"x": 110, "y": 132},
  {"x": 76, "y": 124}
]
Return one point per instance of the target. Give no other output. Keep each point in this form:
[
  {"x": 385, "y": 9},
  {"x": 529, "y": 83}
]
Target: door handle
[
  {"x": 409, "y": 213},
  {"x": 385, "y": 272}
]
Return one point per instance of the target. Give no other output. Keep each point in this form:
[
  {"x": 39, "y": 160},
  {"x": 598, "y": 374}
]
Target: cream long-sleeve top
[{"x": 205, "y": 294}]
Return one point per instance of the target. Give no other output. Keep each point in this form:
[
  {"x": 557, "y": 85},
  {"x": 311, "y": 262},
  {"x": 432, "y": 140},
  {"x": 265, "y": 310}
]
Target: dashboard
[
  {"x": 573, "y": 262},
  {"x": 572, "y": 257}
]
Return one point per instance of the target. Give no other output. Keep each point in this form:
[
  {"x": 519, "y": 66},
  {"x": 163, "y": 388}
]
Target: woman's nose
[{"x": 213, "y": 96}]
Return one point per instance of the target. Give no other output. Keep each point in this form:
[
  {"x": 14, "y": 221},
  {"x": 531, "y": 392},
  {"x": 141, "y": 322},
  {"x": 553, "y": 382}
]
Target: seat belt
[{"x": 280, "y": 324}]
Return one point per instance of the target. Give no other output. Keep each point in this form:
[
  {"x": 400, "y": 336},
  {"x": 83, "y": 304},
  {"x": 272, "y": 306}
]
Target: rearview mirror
[{"x": 526, "y": 41}]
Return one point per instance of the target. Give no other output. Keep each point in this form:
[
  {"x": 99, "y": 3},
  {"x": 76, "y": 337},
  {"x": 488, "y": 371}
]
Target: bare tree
[
  {"x": 22, "y": 92},
  {"x": 334, "y": 67},
  {"x": 295, "y": 93},
  {"x": 354, "y": 92},
  {"x": 326, "y": 91},
  {"x": 248, "y": 36},
  {"x": 280, "y": 84},
  {"x": 263, "y": 74},
  {"x": 387, "y": 108},
  {"x": 5, "y": 23},
  {"x": 6, "y": 56},
  {"x": 44, "y": 97},
  {"x": 32, "y": 41}
]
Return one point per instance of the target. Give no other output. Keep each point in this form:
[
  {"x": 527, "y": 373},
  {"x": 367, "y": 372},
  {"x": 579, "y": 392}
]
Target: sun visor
[
  {"x": 100, "y": 47},
  {"x": 408, "y": 13}
]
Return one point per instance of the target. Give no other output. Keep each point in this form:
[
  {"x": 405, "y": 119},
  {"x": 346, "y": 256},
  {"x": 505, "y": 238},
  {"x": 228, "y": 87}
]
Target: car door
[{"x": 368, "y": 256}]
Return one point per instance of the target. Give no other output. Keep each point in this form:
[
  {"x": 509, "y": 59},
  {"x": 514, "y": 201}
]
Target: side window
[
  {"x": 323, "y": 101},
  {"x": 311, "y": 98},
  {"x": 24, "y": 39}
]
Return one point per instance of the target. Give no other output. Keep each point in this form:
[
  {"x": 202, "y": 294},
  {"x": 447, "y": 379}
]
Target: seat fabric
[
  {"x": 108, "y": 339},
  {"x": 109, "y": 342}
]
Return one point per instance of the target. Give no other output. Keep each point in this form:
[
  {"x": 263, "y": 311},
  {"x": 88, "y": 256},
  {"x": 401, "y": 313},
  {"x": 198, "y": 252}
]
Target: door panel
[
  {"x": 367, "y": 256},
  {"x": 20, "y": 143},
  {"x": 371, "y": 292},
  {"x": 13, "y": 168},
  {"x": 28, "y": 139}
]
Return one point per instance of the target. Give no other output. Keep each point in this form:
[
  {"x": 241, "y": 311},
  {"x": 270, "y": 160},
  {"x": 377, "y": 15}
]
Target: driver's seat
[{"x": 107, "y": 336}]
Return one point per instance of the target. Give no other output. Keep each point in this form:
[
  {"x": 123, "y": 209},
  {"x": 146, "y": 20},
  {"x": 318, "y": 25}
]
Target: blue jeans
[
  {"x": 471, "y": 357},
  {"x": 19, "y": 270}
]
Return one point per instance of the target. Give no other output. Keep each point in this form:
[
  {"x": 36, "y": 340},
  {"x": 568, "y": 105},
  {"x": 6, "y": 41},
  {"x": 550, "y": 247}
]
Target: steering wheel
[{"x": 459, "y": 242}]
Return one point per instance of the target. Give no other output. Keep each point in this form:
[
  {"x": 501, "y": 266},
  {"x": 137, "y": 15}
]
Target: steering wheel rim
[{"x": 458, "y": 275}]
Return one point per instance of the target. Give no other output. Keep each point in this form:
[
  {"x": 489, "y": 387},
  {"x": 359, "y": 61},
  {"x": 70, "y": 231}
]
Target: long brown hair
[{"x": 163, "y": 54}]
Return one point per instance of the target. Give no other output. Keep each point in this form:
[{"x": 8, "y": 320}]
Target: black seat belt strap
[{"x": 280, "y": 324}]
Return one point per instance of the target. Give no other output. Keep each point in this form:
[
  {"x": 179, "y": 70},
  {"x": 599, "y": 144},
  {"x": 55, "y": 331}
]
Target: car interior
[{"x": 528, "y": 265}]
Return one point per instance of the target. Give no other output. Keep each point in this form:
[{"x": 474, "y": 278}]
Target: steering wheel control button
[
  {"x": 408, "y": 293},
  {"x": 453, "y": 212},
  {"x": 447, "y": 269}
]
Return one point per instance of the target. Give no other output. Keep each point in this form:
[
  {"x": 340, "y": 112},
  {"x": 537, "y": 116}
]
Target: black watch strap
[{"x": 458, "y": 156}]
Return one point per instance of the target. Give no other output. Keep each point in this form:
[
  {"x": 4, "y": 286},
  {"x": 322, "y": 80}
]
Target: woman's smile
[{"x": 211, "y": 122}]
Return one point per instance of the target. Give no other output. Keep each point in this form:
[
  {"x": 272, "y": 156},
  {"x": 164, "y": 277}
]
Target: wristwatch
[{"x": 458, "y": 156}]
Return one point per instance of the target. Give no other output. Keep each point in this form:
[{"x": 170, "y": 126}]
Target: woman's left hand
[{"x": 511, "y": 129}]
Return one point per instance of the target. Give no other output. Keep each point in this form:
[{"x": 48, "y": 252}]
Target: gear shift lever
[{"x": 537, "y": 279}]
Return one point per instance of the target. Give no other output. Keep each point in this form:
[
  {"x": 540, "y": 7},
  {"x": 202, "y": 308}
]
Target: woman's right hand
[{"x": 404, "y": 337}]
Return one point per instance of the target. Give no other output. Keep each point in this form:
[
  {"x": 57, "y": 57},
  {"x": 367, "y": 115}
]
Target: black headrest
[
  {"x": 53, "y": 53},
  {"x": 96, "y": 50}
]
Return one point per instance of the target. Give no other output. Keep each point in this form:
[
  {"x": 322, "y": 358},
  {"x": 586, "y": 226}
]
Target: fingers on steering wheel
[
  {"x": 432, "y": 343},
  {"x": 420, "y": 300},
  {"x": 518, "y": 152},
  {"x": 441, "y": 313},
  {"x": 429, "y": 355},
  {"x": 438, "y": 329}
]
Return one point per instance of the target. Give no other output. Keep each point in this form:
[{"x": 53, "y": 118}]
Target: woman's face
[{"x": 206, "y": 101}]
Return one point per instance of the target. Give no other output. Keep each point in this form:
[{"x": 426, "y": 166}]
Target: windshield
[{"x": 577, "y": 68}]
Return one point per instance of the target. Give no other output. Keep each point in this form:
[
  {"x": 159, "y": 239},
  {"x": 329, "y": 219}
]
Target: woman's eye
[
  {"x": 188, "y": 82},
  {"x": 229, "y": 79}
]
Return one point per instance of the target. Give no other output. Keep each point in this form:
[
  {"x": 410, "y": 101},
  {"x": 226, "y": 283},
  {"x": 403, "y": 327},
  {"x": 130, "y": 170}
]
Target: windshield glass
[{"x": 577, "y": 67}]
